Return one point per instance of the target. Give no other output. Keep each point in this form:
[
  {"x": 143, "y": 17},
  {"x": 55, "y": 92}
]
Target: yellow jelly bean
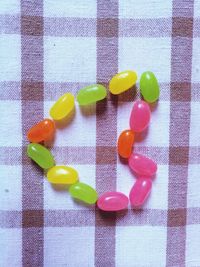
[
  {"x": 122, "y": 82},
  {"x": 62, "y": 175},
  {"x": 62, "y": 107}
]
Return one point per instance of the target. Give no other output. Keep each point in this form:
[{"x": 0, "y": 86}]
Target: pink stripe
[
  {"x": 181, "y": 64},
  {"x": 106, "y": 130},
  {"x": 32, "y": 176}
]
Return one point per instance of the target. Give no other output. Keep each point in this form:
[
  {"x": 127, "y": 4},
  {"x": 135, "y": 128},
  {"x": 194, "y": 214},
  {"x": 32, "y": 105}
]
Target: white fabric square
[
  {"x": 10, "y": 187},
  {"x": 9, "y": 7},
  {"x": 69, "y": 8},
  {"x": 69, "y": 59},
  {"x": 145, "y": 9},
  {"x": 196, "y": 61},
  {"x": 196, "y": 8},
  {"x": 193, "y": 196},
  {"x": 135, "y": 246},
  {"x": 142, "y": 54},
  {"x": 70, "y": 247},
  {"x": 81, "y": 131},
  {"x": 159, "y": 193},
  {"x": 194, "y": 124},
  {"x": 10, "y": 126},
  {"x": 61, "y": 199},
  {"x": 192, "y": 245},
  {"x": 10, "y": 57},
  {"x": 10, "y": 247},
  {"x": 158, "y": 127}
]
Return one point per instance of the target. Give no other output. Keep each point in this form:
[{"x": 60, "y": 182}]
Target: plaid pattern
[{"x": 49, "y": 47}]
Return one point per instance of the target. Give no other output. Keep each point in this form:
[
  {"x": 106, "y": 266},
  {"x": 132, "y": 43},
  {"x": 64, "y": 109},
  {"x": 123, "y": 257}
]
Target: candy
[
  {"x": 149, "y": 87},
  {"x": 84, "y": 193},
  {"x": 125, "y": 143},
  {"x": 140, "y": 116},
  {"x": 41, "y": 155},
  {"x": 91, "y": 94},
  {"x": 142, "y": 165},
  {"x": 62, "y": 175},
  {"x": 140, "y": 191},
  {"x": 122, "y": 82},
  {"x": 112, "y": 201},
  {"x": 62, "y": 107},
  {"x": 42, "y": 131}
]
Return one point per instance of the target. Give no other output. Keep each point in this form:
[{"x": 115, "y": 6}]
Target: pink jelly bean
[
  {"x": 142, "y": 165},
  {"x": 140, "y": 192},
  {"x": 140, "y": 116},
  {"x": 112, "y": 201}
]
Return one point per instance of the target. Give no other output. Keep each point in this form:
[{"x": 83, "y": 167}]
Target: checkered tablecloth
[{"x": 49, "y": 47}]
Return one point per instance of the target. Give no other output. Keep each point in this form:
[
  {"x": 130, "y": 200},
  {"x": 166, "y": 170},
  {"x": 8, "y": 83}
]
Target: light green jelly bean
[
  {"x": 149, "y": 87},
  {"x": 91, "y": 94},
  {"x": 41, "y": 155},
  {"x": 84, "y": 193}
]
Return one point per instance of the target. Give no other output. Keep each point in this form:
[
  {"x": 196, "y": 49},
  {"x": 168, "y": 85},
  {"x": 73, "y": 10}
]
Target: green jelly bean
[
  {"x": 91, "y": 94},
  {"x": 149, "y": 87},
  {"x": 84, "y": 193},
  {"x": 41, "y": 155}
]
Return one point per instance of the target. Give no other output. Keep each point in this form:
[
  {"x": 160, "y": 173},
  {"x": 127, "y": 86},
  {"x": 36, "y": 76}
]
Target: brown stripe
[
  {"x": 10, "y": 219},
  {"x": 10, "y": 155},
  {"x": 86, "y": 27},
  {"x": 70, "y": 27},
  {"x": 196, "y": 27},
  {"x": 87, "y": 155},
  {"x": 106, "y": 130},
  {"x": 32, "y": 176},
  {"x": 54, "y": 89},
  {"x": 181, "y": 65},
  {"x": 12, "y": 91},
  {"x": 69, "y": 218},
  {"x": 156, "y": 27},
  {"x": 9, "y": 24},
  {"x": 79, "y": 218}
]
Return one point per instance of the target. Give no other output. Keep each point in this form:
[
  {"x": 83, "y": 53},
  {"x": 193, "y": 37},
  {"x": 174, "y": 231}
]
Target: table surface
[{"x": 51, "y": 47}]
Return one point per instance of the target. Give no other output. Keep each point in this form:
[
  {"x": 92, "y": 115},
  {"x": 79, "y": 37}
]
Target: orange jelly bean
[
  {"x": 42, "y": 131},
  {"x": 125, "y": 143}
]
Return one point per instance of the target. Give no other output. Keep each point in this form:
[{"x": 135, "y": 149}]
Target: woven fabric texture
[{"x": 49, "y": 47}]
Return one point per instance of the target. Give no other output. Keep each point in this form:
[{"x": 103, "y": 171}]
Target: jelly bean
[
  {"x": 91, "y": 94},
  {"x": 140, "y": 116},
  {"x": 142, "y": 165},
  {"x": 122, "y": 82},
  {"x": 62, "y": 175},
  {"x": 84, "y": 193},
  {"x": 112, "y": 201},
  {"x": 140, "y": 192},
  {"x": 41, "y": 155},
  {"x": 125, "y": 143},
  {"x": 62, "y": 107},
  {"x": 149, "y": 87},
  {"x": 42, "y": 131}
]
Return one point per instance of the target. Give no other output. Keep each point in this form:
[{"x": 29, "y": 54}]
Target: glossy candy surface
[
  {"x": 62, "y": 175},
  {"x": 91, "y": 94},
  {"x": 84, "y": 193},
  {"x": 42, "y": 131},
  {"x": 149, "y": 87},
  {"x": 62, "y": 107},
  {"x": 142, "y": 165},
  {"x": 122, "y": 82},
  {"x": 140, "y": 116},
  {"x": 41, "y": 155},
  {"x": 112, "y": 201},
  {"x": 140, "y": 192},
  {"x": 125, "y": 143}
]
